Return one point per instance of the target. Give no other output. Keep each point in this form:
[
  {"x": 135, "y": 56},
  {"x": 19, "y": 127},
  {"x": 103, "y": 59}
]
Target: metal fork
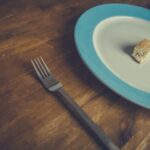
[{"x": 52, "y": 85}]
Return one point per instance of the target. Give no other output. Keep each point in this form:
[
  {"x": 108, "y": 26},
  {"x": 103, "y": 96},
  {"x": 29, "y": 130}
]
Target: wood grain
[{"x": 31, "y": 118}]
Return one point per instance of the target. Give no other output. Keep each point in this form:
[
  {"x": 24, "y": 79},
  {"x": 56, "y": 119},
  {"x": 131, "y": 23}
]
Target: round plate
[{"x": 105, "y": 37}]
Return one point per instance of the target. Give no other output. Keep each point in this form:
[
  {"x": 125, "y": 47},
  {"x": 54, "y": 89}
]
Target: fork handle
[{"x": 83, "y": 118}]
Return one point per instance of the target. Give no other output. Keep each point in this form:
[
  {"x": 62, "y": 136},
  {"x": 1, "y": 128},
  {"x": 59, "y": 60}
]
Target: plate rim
[{"x": 84, "y": 34}]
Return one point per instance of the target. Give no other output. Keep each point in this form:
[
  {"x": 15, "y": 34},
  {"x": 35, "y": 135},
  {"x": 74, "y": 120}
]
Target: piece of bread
[{"x": 141, "y": 51}]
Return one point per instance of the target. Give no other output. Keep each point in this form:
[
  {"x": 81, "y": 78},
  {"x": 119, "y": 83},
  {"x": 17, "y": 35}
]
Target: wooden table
[{"x": 33, "y": 119}]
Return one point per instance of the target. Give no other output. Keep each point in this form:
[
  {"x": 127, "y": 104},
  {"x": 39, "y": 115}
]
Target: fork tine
[
  {"x": 42, "y": 67},
  {"x": 39, "y": 68},
  {"x": 47, "y": 69},
  {"x": 35, "y": 68}
]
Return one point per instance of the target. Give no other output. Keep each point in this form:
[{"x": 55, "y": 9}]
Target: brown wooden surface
[{"x": 31, "y": 118}]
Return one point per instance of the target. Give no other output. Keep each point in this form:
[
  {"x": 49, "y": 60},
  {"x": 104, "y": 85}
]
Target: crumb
[{"x": 142, "y": 51}]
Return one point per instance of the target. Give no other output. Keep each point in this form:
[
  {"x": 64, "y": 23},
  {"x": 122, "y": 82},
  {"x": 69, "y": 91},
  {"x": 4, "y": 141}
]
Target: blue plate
[{"x": 84, "y": 41}]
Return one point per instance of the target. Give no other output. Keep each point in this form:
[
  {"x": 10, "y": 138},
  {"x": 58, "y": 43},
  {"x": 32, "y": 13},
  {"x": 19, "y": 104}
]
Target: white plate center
[{"x": 114, "y": 39}]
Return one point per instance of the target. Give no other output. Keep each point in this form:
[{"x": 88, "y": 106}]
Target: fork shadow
[{"x": 81, "y": 71}]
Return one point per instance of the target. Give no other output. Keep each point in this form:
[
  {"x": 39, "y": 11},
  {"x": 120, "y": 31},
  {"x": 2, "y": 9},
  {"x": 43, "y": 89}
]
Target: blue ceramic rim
[{"x": 84, "y": 41}]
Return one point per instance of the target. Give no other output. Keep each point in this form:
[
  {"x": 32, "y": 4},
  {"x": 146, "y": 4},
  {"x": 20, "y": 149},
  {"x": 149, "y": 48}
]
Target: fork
[{"x": 52, "y": 85}]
